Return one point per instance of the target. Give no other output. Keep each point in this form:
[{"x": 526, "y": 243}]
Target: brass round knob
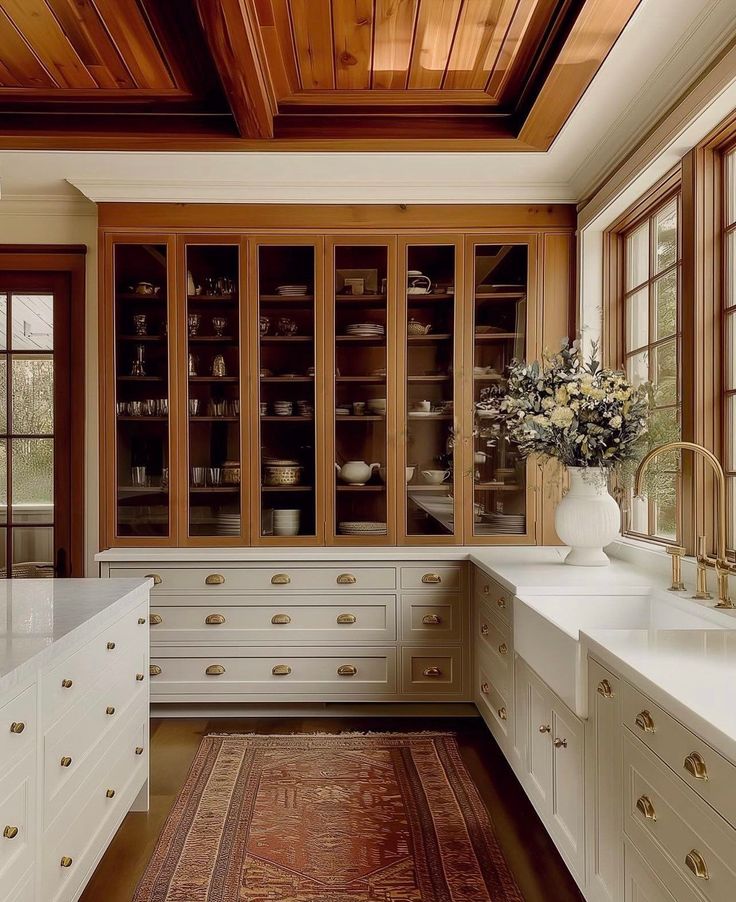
[
  {"x": 10, "y": 832},
  {"x": 502, "y": 714},
  {"x": 110, "y": 793},
  {"x": 65, "y": 862},
  {"x": 484, "y": 629},
  {"x": 139, "y": 750},
  {"x": 544, "y": 728},
  {"x": 139, "y": 677},
  {"x": 485, "y": 688},
  {"x": 559, "y": 743},
  {"x": 503, "y": 649},
  {"x": 66, "y": 684},
  {"x": 157, "y": 580},
  {"x": 501, "y": 602},
  {"x": 486, "y": 590},
  {"x": 110, "y": 646},
  {"x": 141, "y": 621},
  {"x": 65, "y": 761},
  {"x": 17, "y": 726},
  {"x": 109, "y": 710}
]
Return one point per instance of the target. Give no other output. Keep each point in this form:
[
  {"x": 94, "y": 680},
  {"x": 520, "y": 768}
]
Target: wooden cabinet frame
[{"x": 547, "y": 232}]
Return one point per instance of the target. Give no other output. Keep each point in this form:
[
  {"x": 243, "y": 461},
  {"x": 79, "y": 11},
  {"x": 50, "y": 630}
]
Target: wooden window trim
[{"x": 70, "y": 261}]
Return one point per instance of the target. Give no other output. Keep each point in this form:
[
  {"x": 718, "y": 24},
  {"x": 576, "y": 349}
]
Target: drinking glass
[
  {"x": 214, "y": 476},
  {"x": 194, "y": 407},
  {"x": 138, "y": 476},
  {"x": 198, "y": 476}
]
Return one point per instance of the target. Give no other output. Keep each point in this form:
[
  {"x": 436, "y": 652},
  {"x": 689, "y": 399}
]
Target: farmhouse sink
[{"x": 547, "y": 631}]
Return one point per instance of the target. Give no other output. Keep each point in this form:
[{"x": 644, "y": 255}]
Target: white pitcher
[{"x": 356, "y": 472}]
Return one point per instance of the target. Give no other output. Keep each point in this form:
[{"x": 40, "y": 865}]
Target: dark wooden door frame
[{"x": 67, "y": 262}]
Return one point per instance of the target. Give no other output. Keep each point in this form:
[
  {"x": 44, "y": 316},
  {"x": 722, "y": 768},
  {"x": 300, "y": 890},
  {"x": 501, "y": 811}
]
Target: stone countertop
[{"x": 41, "y": 618}]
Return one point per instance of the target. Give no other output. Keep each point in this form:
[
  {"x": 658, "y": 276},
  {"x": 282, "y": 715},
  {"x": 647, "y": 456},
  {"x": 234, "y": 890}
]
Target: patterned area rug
[{"x": 384, "y": 817}]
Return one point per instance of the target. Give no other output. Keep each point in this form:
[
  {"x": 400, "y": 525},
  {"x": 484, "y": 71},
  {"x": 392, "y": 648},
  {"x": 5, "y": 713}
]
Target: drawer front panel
[
  {"x": 223, "y": 580},
  {"x": 363, "y": 617},
  {"x": 488, "y": 591},
  {"x": 493, "y": 643},
  {"x": 431, "y": 671},
  {"x": 666, "y": 819},
  {"x": 642, "y": 884},
  {"x": 492, "y": 701},
  {"x": 18, "y": 728},
  {"x": 428, "y": 620},
  {"x": 275, "y": 672},
  {"x": 430, "y": 577},
  {"x": 17, "y": 822},
  {"x": 701, "y": 767}
]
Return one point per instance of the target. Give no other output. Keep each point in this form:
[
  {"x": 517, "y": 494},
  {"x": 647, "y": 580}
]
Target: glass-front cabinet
[
  {"x": 429, "y": 470},
  {"x": 287, "y": 334},
  {"x": 140, "y": 466},
  {"x": 213, "y": 397},
  {"x": 499, "y": 327},
  {"x": 362, "y": 396}
]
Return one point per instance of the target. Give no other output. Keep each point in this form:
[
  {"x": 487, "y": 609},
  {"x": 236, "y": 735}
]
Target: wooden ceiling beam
[{"x": 231, "y": 29}]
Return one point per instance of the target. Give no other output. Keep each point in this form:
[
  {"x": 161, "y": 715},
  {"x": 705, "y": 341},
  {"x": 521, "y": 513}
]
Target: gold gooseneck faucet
[{"x": 721, "y": 564}]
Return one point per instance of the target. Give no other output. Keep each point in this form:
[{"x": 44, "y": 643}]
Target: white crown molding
[
  {"x": 46, "y": 205},
  {"x": 448, "y": 191}
]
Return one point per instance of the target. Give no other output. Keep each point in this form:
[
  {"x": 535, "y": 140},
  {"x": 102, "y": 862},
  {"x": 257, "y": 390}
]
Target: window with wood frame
[
  {"x": 649, "y": 279},
  {"x": 728, "y": 330}
]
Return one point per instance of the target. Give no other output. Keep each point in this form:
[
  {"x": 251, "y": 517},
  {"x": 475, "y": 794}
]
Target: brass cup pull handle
[
  {"x": 109, "y": 710},
  {"x": 346, "y": 579},
  {"x": 280, "y": 619},
  {"x": 694, "y": 764},
  {"x": 432, "y": 672},
  {"x": 501, "y": 602},
  {"x": 503, "y": 649},
  {"x": 346, "y": 670},
  {"x": 156, "y": 619},
  {"x": 214, "y": 619},
  {"x": 141, "y": 621},
  {"x": 66, "y": 861},
  {"x": 431, "y": 579},
  {"x": 544, "y": 728},
  {"x": 214, "y": 579},
  {"x": 10, "y": 832},
  {"x": 281, "y": 670},
  {"x": 502, "y": 713},
  {"x": 644, "y": 805},
  {"x": 157, "y": 580},
  {"x": 110, "y": 646},
  {"x": 139, "y": 677},
  {"x": 604, "y": 689},
  {"x": 431, "y": 620},
  {"x": 559, "y": 743},
  {"x": 346, "y": 619},
  {"x": 110, "y": 794},
  {"x": 484, "y": 630},
  {"x": 644, "y": 721},
  {"x": 485, "y": 688},
  {"x": 486, "y": 590},
  {"x": 215, "y": 670},
  {"x": 695, "y": 861},
  {"x": 67, "y": 684},
  {"x": 65, "y": 761},
  {"x": 154, "y": 670},
  {"x": 17, "y": 726},
  {"x": 280, "y": 579}
]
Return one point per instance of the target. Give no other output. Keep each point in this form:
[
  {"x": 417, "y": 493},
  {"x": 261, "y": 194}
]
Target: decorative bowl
[{"x": 282, "y": 474}]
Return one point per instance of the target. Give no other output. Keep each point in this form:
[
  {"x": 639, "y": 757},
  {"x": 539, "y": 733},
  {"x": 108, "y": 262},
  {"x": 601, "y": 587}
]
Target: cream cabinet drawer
[
  {"x": 488, "y": 591},
  {"x": 430, "y": 577},
  {"x": 493, "y": 644},
  {"x": 666, "y": 820},
  {"x": 17, "y": 822},
  {"x": 223, "y": 580},
  {"x": 70, "y": 848},
  {"x": 18, "y": 727},
  {"x": 24, "y": 890},
  {"x": 274, "y": 671},
  {"x": 642, "y": 885},
  {"x": 431, "y": 671},
  {"x": 427, "y": 619},
  {"x": 305, "y": 618},
  {"x": 712, "y": 776},
  {"x": 492, "y": 701}
]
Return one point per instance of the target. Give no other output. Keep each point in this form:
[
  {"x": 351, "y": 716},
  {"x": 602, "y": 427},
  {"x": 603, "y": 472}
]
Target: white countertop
[
  {"x": 690, "y": 673},
  {"x": 41, "y": 618}
]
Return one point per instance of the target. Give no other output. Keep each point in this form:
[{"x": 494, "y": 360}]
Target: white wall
[{"x": 69, "y": 222}]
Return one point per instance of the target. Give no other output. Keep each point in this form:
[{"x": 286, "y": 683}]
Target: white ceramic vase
[{"x": 587, "y": 518}]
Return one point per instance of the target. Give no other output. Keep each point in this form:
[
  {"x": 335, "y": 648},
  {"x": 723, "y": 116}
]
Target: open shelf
[
  {"x": 360, "y": 488},
  {"x": 208, "y": 419},
  {"x": 286, "y": 339},
  {"x": 272, "y": 418},
  {"x": 438, "y": 378},
  {"x": 287, "y": 378},
  {"x": 287, "y": 488},
  {"x": 212, "y": 298},
  {"x": 140, "y": 298},
  {"x": 496, "y": 336},
  {"x": 142, "y": 419},
  {"x": 214, "y": 378},
  {"x": 141, "y": 339},
  {"x": 140, "y": 378},
  {"x": 367, "y": 379},
  {"x": 214, "y": 489},
  {"x": 209, "y": 339},
  {"x": 286, "y": 299}
]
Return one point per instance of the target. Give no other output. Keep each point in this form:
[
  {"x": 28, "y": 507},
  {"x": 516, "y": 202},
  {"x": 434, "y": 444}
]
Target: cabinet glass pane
[
  {"x": 361, "y": 327},
  {"x": 499, "y": 326},
  {"x": 33, "y": 395},
  {"x": 213, "y": 404},
  {"x": 142, "y": 390},
  {"x": 430, "y": 474},
  {"x": 286, "y": 276}
]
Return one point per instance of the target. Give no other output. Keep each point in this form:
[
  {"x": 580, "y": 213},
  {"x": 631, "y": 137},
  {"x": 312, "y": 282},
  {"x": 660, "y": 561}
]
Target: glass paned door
[
  {"x": 141, "y": 390},
  {"x": 288, "y": 336},
  {"x": 213, "y": 397},
  {"x": 499, "y": 308},
  {"x": 34, "y": 410},
  {"x": 430, "y": 477},
  {"x": 362, "y": 403}
]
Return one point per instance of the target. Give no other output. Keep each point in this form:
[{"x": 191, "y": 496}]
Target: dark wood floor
[{"x": 529, "y": 851}]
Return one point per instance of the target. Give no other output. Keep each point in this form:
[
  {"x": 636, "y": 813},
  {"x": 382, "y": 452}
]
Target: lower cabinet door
[
  {"x": 640, "y": 882},
  {"x": 568, "y": 786},
  {"x": 539, "y": 752}
]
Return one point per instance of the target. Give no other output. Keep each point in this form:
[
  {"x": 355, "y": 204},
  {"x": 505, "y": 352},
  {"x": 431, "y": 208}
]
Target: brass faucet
[{"x": 720, "y": 562}]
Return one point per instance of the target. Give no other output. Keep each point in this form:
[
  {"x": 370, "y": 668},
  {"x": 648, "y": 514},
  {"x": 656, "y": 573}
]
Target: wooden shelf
[
  {"x": 428, "y": 339},
  {"x": 218, "y": 339},
  {"x": 361, "y": 339},
  {"x": 498, "y": 487},
  {"x": 138, "y": 339},
  {"x": 142, "y": 419},
  {"x": 214, "y": 379},
  {"x": 371, "y": 379},
  {"x": 214, "y": 489},
  {"x": 140, "y": 378},
  {"x": 500, "y": 295},
  {"x": 212, "y": 298},
  {"x": 431, "y": 298},
  {"x": 497, "y": 336},
  {"x": 287, "y": 338},
  {"x": 360, "y": 298},
  {"x": 490, "y": 377},
  {"x": 269, "y": 418},
  {"x": 142, "y": 490},
  {"x": 444, "y": 487},
  {"x": 434, "y": 417},
  {"x": 357, "y": 418},
  {"x": 428, "y": 378},
  {"x": 286, "y": 488},
  {"x": 198, "y": 419},
  {"x": 361, "y": 488},
  {"x": 286, "y": 299},
  {"x": 287, "y": 379},
  {"x": 142, "y": 298}
]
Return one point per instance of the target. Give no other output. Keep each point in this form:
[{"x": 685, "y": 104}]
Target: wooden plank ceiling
[{"x": 298, "y": 73}]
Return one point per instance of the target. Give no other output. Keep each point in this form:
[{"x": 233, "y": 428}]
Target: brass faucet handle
[
  {"x": 723, "y": 568},
  {"x": 676, "y": 553},
  {"x": 701, "y": 579}
]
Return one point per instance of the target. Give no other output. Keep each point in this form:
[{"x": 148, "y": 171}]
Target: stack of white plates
[
  {"x": 227, "y": 524},
  {"x": 286, "y": 522},
  {"x": 505, "y": 524},
  {"x": 291, "y": 290},
  {"x": 362, "y": 528},
  {"x": 365, "y": 330}
]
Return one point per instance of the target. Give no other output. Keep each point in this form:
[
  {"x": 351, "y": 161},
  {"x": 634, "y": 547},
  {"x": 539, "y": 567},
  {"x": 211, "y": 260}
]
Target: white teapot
[
  {"x": 356, "y": 472},
  {"x": 417, "y": 282}
]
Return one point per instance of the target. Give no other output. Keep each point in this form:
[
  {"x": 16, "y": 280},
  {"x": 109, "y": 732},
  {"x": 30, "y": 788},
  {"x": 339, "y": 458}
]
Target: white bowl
[{"x": 286, "y": 530}]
